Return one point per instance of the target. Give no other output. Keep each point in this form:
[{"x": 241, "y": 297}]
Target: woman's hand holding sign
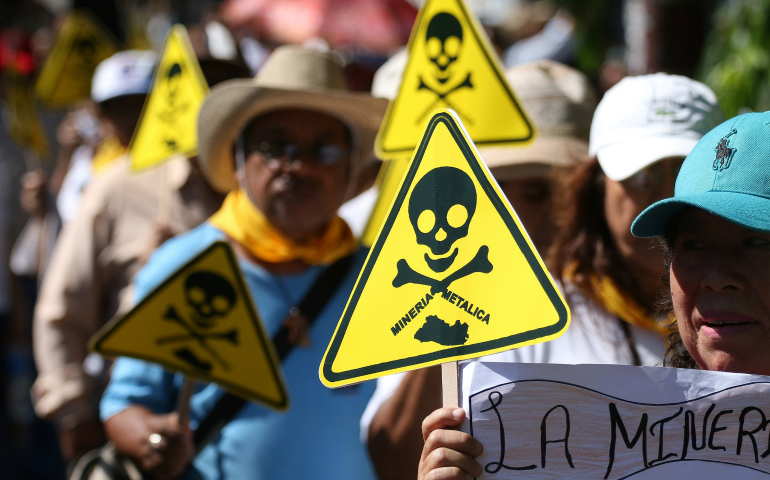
[
  {"x": 448, "y": 454},
  {"x": 156, "y": 443}
]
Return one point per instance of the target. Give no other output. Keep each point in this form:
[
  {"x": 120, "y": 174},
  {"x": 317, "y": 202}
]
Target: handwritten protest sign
[
  {"x": 616, "y": 422},
  {"x": 452, "y": 274}
]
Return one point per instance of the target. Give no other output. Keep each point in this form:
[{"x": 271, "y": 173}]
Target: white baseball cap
[
  {"x": 387, "y": 78},
  {"x": 644, "y": 119},
  {"x": 126, "y": 73}
]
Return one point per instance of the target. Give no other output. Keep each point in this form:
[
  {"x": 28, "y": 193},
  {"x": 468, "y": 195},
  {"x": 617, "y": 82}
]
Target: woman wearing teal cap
[
  {"x": 716, "y": 229},
  {"x": 717, "y": 233}
]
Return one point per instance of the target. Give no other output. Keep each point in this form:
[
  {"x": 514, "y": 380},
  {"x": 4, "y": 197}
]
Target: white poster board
[{"x": 616, "y": 422}]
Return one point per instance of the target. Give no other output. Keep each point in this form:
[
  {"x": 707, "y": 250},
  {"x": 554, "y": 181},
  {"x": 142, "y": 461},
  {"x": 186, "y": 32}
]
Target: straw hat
[
  {"x": 560, "y": 101},
  {"x": 293, "y": 77}
]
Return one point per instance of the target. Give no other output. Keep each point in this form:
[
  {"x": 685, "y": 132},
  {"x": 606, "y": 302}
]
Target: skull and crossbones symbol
[
  {"x": 174, "y": 109},
  {"x": 443, "y": 44},
  {"x": 210, "y": 298},
  {"x": 441, "y": 207}
]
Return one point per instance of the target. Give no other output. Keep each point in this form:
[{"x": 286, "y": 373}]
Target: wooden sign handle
[
  {"x": 166, "y": 204},
  {"x": 450, "y": 385},
  {"x": 183, "y": 402}
]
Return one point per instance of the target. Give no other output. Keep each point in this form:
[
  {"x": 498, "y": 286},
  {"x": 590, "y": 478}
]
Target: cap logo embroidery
[
  {"x": 724, "y": 153},
  {"x": 666, "y": 110}
]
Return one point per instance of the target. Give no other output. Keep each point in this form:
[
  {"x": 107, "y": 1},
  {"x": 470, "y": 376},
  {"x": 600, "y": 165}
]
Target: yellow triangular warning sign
[
  {"x": 169, "y": 121},
  {"x": 452, "y": 65},
  {"x": 201, "y": 321},
  {"x": 24, "y": 126},
  {"x": 388, "y": 180},
  {"x": 452, "y": 274},
  {"x": 79, "y": 47}
]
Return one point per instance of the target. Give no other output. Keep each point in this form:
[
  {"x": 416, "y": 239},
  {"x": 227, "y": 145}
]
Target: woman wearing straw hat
[{"x": 288, "y": 148}]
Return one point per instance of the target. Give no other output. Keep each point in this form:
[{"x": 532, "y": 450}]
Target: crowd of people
[{"x": 649, "y": 208}]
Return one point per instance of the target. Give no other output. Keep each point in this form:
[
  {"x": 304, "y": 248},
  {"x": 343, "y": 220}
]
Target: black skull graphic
[
  {"x": 174, "y": 76},
  {"x": 210, "y": 295},
  {"x": 86, "y": 49},
  {"x": 440, "y": 209},
  {"x": 443, "y": 42}
]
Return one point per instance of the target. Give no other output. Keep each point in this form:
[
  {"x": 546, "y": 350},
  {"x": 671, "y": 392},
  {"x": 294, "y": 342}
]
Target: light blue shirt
[{"x": 317, "y": 438}]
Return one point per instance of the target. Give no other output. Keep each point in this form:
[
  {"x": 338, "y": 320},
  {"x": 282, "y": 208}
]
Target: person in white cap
[
  {"x": 561, "y": 102},
  {"x": 119, "y": 88},
  {"x": 122, "y": 217},
  {"x": 91, "y": 139},
  {"x": 641, "y": 132}
]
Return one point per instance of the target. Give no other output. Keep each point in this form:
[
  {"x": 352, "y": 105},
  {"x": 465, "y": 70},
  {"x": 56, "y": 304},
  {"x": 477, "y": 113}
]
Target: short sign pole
[
  {"x": 183, "y": 402},
  {"x": 450, "y": 385}
]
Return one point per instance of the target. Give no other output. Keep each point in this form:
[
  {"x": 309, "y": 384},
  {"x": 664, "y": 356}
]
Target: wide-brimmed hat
[
  {"x": 648, "y": 118},
  {"x": 293, "y": 77},
  {"x": 726, "y": 175},
  {"x": 561, "y": 102}
]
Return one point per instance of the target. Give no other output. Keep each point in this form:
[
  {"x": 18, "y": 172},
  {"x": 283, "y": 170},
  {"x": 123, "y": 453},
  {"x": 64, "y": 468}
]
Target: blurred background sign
[
  {"x": 24, "y": 125},
  {"x": 169, "y": 120},
  {"x": 79, "y": 47}
]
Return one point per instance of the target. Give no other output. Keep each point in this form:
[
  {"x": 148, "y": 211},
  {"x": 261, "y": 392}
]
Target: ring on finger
[{"x": 155, "y": 440}]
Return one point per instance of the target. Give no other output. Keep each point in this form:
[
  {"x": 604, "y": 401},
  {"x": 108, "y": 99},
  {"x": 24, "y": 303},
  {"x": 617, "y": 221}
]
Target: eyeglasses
[
  {"x": 652, "y": 177},
  {"x": 319, "y": 154}
]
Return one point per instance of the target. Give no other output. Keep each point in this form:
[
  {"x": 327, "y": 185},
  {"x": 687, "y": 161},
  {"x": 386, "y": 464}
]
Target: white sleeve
[
  {"x": 386, "y": 386},
  {"x": 537, "y": 353}
]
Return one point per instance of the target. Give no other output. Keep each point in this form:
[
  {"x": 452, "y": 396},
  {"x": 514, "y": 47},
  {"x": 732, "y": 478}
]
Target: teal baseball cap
[{"x": 727, "y": 174}]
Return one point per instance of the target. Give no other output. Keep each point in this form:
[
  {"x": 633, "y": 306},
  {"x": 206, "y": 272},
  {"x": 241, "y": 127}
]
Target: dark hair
[
  {"x": 583, "y": 240},
  {"x": 677, "y": 355}
]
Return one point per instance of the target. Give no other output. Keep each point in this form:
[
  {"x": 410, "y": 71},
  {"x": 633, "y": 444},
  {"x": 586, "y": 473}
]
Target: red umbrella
[{"x": 376, "y": 26}]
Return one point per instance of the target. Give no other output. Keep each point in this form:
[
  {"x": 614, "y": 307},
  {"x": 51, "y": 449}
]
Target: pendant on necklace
[{"x": 299, "y": 328}]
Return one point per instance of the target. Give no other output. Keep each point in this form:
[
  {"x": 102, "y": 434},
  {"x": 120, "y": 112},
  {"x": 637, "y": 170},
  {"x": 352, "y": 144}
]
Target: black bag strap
[{"x": 311, "y": 305}]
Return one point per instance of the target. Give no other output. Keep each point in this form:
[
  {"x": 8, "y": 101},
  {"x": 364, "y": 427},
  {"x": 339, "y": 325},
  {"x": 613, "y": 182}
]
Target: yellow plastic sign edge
[
  {"x": 94, "y": 344},
  {"x": 387, "y": 185},
  {"x": 456, "y": 128},
  {"x": 41, "y": 151},
  {"x": 184, "y": 39},
  {"x": 487, "y": 48}
]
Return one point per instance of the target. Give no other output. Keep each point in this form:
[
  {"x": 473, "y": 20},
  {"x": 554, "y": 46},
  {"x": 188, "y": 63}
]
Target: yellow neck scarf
[
  {"x": 107, "y": 152},
  {"x": 608, "y": 295},
  {"x": 243, "y": 222}
]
